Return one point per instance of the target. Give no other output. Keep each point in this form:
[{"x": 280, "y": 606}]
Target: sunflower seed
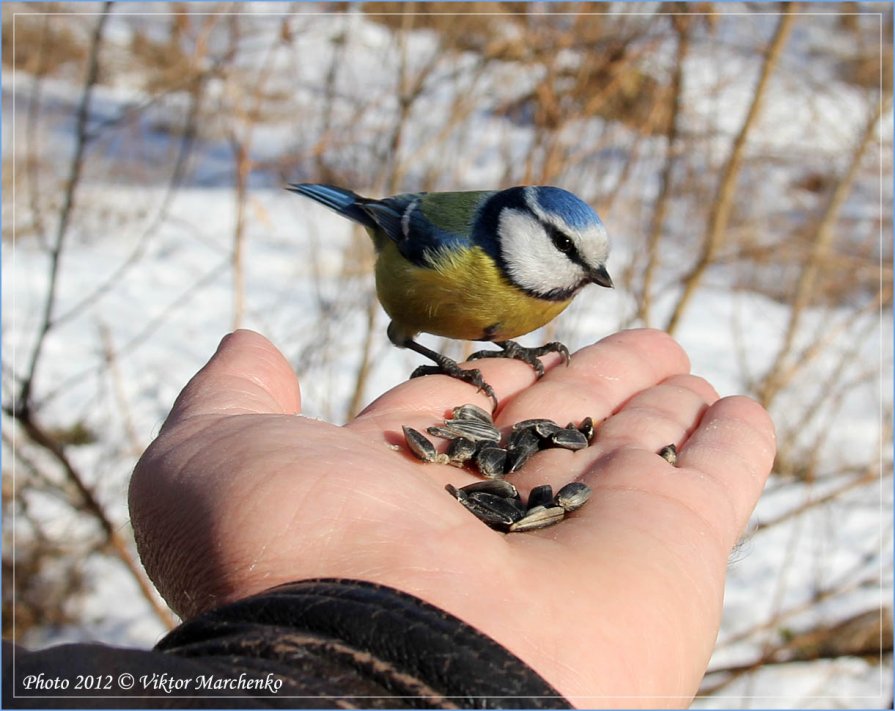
[
  {"x": 540, "y": 496},
  {"x": 572, "y": 496},
  {"x": 522, "y": 444},
  {"x": 458, "y": 494},
  {"x": 669, "y": 454},
  {"x": 519, "y": 436},
  {"x": 441, "y": 432},
  {"x": 472, "y": 412},
  {"x": 568, "y": 438},
  {"x": 496, "y": 511},
  {"x": 587, "y": 428},
  {"x": 541, "y": 425},
  {"x": 422, "y": 447},
  {"x": 491, "y": 461},
  {"x": 460, "y": 451},
  {"x": 538, "y": 517},
  {"x": 497, "y": 487},
  {"x": 505, "y": 505},
  {"x": 471, "y": 429}
]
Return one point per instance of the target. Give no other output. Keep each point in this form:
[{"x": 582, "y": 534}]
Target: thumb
[{"x": 246, "y": 375}]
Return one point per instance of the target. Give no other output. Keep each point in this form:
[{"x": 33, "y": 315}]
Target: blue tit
[{"x": 487, "y": 265}]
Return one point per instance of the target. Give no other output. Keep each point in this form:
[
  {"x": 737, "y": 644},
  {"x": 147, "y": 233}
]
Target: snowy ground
[{"x": 166, "y": 316}]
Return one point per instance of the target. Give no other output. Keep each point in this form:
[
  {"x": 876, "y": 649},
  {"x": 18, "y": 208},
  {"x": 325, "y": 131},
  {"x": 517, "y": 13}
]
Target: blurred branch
[
  {"x": 722, "y": 204},
  {"x": 868, "y": 475},
  {"x": 178, "y": 172},
  {"x": 849, "y": 580},
  {"x": 682, "y": 26},
  {"x": 32, "y": 161},
  {"x": 866, "y": 634},
  {"x": 409, "y": 90},
  {"x": 779, "y": 372},
  {"x": 179, "y": 301},
  {"x": 823, "y": 410},
  {"x": 22, "y": 410},
  {"x": 111, "y": 359},
  {"x": 246, "y": 112},
  {"x": 365, "y": 364},
  {"x": 42, "y": 438},
  {"x": 23, "y": 402}
]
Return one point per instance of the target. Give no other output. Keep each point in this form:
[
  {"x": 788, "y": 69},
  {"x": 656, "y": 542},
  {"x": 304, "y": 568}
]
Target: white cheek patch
[{"x": 533, "y": 263}]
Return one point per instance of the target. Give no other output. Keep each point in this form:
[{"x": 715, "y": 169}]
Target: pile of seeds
[
  {"x": 476, "y": 442},
  {"x": 497, "y": 503}
]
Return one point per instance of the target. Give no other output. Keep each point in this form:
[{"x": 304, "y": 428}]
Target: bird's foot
[
  {"x": 448, "y": 367},
  {"x": 511, "y": 349}
]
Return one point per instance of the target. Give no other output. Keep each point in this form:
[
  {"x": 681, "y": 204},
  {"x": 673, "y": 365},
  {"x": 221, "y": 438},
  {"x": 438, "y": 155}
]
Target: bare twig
[
  {"x": 116, "y": 542},
  {"x": 777, "y": 376},
  {"x": 868, "y": 476},
  {"x": 23, "y": 402},
  {"x": 682, "y": 25},
  {"x": 866, "y": 634},
  {"x": 410, "y": 88},
  {"x": 722, "y": 204},
  {"x": 110, "y": 356},
  {"x": 178, "y": 172}
]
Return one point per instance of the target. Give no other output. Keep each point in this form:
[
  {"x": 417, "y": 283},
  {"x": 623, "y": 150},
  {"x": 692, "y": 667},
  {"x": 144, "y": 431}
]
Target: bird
[{"x": 483, "y": 265}]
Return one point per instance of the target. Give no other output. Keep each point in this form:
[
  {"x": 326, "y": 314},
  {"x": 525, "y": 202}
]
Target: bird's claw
[
  {"x": 451, "y": 369},
  {"x": 511, "y": 349}
]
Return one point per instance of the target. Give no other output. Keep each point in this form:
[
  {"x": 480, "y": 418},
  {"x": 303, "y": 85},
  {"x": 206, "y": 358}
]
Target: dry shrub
[
  {"x": 606, "y": 82},
  {"x": 42, "y": 579},
  {"x": 43, "y": 591},
  {"x": 166, "y": 65},
  {"x": 43, "y": 44},
  {"x": 862, "y": 67},
  {"x": 491, "y": 29}
]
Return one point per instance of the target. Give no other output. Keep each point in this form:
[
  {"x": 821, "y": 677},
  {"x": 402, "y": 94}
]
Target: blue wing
[
  {"x": 420, "y": 224},
  {"x": 424, "y": 225}
]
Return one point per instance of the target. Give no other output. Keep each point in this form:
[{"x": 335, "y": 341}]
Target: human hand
[{"x": 618, "y": 605}]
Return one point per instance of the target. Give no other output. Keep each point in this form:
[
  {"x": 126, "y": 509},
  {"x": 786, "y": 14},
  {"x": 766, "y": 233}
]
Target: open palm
[{"x": 617, "y": 605}]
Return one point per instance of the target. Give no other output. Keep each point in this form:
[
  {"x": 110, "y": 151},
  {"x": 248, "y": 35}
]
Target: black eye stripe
[
  {"x": 566, "y": 245},
  {"x": 562, "y": 242}
]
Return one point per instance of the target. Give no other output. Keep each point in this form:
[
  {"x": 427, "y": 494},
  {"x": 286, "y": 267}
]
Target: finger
[
  {"x": 735, "y": 445},
  {"x": 600, "y": 378},
  {"x": 660, "y": 415},
  {"x": 721, "y": 470},
  {"x": 426, "y": 400},
  {"x": 246, "y": 375}
]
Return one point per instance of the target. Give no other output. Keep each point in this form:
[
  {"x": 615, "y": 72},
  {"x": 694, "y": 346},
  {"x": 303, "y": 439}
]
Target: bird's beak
[{"x": 601, "y": 276}]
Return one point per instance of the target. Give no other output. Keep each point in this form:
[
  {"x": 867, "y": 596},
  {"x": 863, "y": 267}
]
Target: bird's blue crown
[{"x": 576, "y": 213}]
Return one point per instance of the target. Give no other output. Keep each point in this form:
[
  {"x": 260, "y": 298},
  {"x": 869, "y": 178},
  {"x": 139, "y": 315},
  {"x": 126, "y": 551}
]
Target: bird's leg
[
  {"x": 446, "y": 366},
  {"x": 511, "y": 349}
]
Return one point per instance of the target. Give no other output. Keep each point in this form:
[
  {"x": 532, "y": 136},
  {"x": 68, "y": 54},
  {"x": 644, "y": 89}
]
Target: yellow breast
[{"x": 464, "y": 297}]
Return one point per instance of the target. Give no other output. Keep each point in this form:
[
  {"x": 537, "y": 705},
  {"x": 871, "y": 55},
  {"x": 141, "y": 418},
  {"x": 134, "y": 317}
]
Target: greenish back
[{"x": 453, "y": 212}]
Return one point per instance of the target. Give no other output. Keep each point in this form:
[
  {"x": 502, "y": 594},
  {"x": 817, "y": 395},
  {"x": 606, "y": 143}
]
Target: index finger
[{"x": 600, "y": 378}]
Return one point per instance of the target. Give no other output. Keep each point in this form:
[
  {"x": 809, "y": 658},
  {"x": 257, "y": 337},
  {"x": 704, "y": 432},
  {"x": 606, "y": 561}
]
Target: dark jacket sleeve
[{"x": 313, "y": 644}]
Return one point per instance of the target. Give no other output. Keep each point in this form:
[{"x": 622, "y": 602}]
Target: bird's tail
[{"x": 343, "y": 201}]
